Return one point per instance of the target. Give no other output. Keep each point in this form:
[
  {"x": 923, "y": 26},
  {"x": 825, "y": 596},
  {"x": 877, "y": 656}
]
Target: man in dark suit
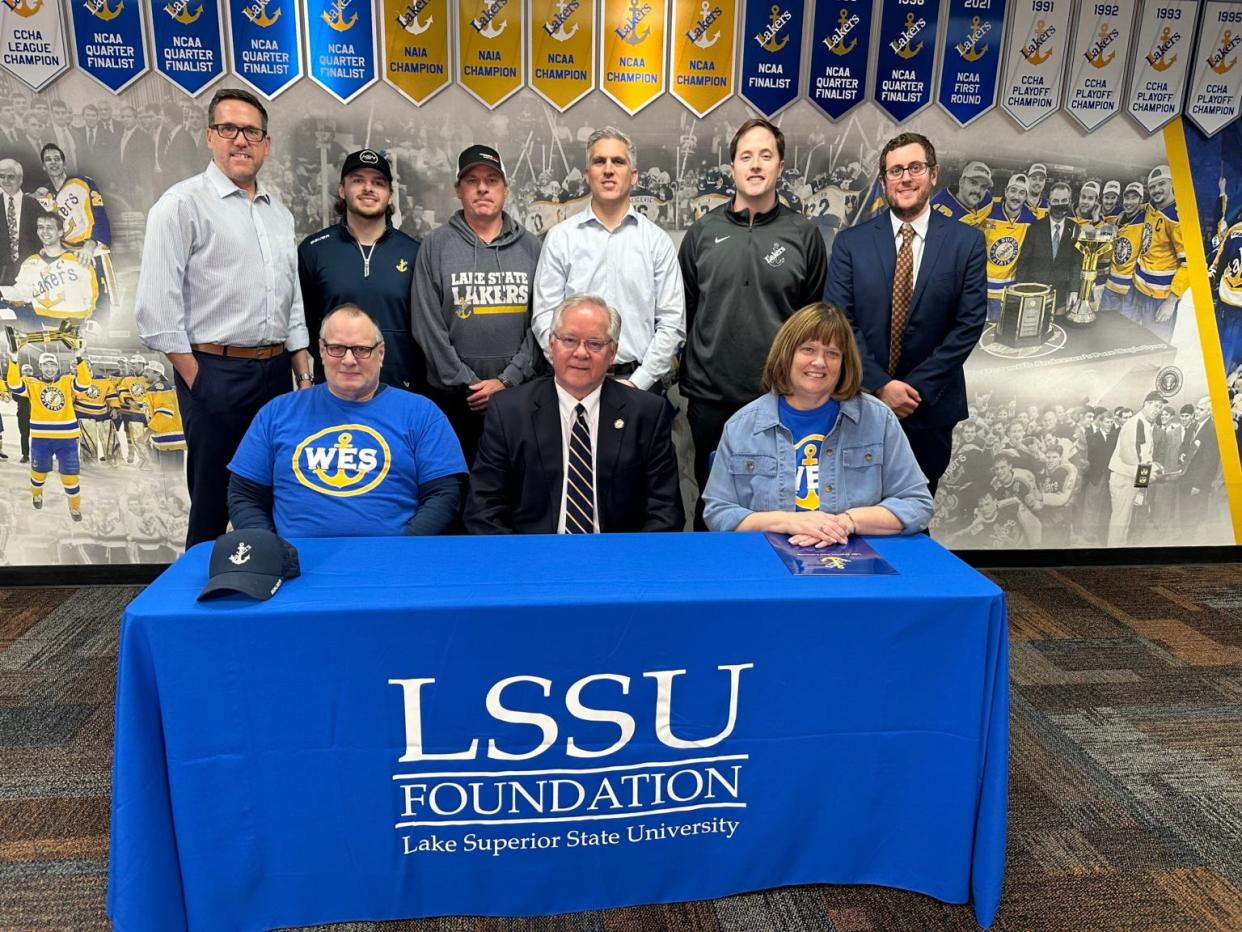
[
  {"x": 914, "y": 286},
  {"x": 1048, "y": 254},
  {"x": 578, "y": 453},
  {"x": 25, "y": 210},
  {"x": 137, "y": 154}
]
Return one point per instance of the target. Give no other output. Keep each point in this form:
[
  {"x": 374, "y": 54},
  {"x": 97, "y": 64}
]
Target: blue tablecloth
[{"x": 618, "y": 720}]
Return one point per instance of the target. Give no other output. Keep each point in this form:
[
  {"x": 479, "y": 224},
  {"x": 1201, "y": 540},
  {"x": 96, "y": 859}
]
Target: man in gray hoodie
[{"x": 470, "y": 298}]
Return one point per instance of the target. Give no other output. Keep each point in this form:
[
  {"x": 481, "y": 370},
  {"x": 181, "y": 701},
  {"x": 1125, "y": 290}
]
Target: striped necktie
[{"x": 580, "y": 478}]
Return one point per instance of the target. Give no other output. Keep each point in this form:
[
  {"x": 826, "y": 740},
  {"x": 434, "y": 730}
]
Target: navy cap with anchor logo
[
  {"x": 254, "y": 562},
  {"x": 366, "y": 158}
]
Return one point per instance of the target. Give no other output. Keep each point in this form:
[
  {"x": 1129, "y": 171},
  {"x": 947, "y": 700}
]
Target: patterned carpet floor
[{"x": 1125, "y": 795}]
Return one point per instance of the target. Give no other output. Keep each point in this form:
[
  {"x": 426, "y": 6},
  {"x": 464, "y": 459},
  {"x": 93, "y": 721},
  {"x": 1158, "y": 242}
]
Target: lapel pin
[{"x": 618, "y": 423}]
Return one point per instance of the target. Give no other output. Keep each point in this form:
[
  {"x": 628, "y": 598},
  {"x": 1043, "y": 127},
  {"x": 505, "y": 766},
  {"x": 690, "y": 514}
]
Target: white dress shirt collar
[
  {"x": 920, "y": 223},
  {"x": 224, "y": 186}
]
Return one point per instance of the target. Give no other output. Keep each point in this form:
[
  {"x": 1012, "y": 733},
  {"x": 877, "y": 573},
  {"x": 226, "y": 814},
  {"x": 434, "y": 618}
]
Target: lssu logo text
[{"x": 344, "y": 460}]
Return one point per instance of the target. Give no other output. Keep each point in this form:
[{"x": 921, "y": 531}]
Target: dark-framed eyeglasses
[
  {"x": 338, "y": 350},
  {"x": 229, "y": 131},
  {"x": 916, "y": 170},
  {"x": 572, "y": 343}
]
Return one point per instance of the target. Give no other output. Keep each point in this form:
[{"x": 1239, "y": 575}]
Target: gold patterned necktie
[{"x": 903, "y": 288}]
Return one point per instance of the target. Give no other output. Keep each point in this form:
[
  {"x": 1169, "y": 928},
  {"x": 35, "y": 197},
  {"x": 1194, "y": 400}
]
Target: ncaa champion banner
[
  {"x": 1213, "y": 102},
  {"x": 562, "y": 50},
  {"x": 704, "y": 37},
  {"x": 266, "y": 41},
  {"x": 632, "y": 53},
  {"x": 1035, "y": 60},
  {"x": 1160, "y": 62},
  {"x": 110, "y": 41},
  {"x": 341, "y": 39},
  {"x": 32, "y": 41},
  {"x": 489, "y": 49},
  {"x": 970, "y": 62},
  {"x": 416, "y": 47},
  {"x": 1101, "y": 49},
  {"x": 189, "y": 43},
  {"x": 771, "y": 54},
  {"x": 840, "y": 39},
  {"x": 905, "y": 65}
]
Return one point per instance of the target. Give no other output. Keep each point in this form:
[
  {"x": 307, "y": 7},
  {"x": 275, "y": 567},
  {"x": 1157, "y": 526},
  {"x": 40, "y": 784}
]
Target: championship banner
[
  {"x": 340, "y": 35},
  {"x": 1160, "y": 62},
  {"x": 1101, "y": 48},
  {"x": 970, "y": 61},
  {"x": 632, "y": 53},
  {"x": 189, "y": 43},
  {"x": 110, "y": 41},
  {"x": 416, "y": 47},
  {"x": 840, "y": 38},
  {"x": 704, "y": 42},
  {"x": 32, "y": 41},
  {"x": 771, "y": 54},
  {"x": 265, "y": 38},
  {"x": 1213, "y": 102},
  {"x": 489, "y": 49},
  {"x": 562, "y": 50},
  {"x": 905, "y": 65},
  {"x": 1035, "y": 60}
]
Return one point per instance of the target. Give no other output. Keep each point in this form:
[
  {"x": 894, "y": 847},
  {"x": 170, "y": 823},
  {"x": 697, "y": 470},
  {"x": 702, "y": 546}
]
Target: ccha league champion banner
[
  {"x": 32, "y": 42},
  {"x": 110, "y": 41},
  {"x": 840, "y": 40},
  {"x": 703, "y": 38},
  {"x": 490, "y": 43},
  {"x": 188, "y": 43},
  {"x": 562, "y": 50},
  {"x": 970, "y": 61},
  {"x": 1160, "y": 62},
  {"x": 632, "y": 53},
  {"x": 265, "y": 38},
  {"x": 1100, "y": 52},
  {"x": 416, "y": 47},
  {"x": 340, "y": 36},
  {"x": 771, "y": 54}
]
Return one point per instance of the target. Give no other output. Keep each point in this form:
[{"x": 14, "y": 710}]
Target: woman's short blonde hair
[{"x": 827, "y": 324}]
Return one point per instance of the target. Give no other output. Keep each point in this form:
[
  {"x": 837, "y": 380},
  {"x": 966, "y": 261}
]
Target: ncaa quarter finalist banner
[
  {"x": 110, "y": 41},
  {"x": 562, "y": 50},
  {"x": 970, "y": 62},
  {"x": 1160, "y": 61},
  {"x": 704, "y": 42},
  {"x": 489, "y": 49},
  {"x": 840, "y": 40},
  {"x": 32, "y": 42},
  {"x": 1103, "y": 32},
  {"x": 905, "y": 64},
  {"x": 632, "y": 54},
  {"x": 416, "y": 47},
  {"x": 265, "y": 37},
  {"x": 1217, "y": 83},
  {"x": 189, "y": 43},
  {"x": 1035, "y": 60},
  {"x": 341, "y": 39},
  {"x": 771, "y": 54}
]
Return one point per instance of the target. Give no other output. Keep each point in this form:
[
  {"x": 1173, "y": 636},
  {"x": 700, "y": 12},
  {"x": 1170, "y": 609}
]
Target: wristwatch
[
  {"x": 304, "y": 377},
  {"x": 503, "y": 381}
]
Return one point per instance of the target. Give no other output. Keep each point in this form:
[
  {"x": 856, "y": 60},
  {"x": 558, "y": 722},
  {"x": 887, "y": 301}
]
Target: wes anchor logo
[{"x": 344, "y": 460}]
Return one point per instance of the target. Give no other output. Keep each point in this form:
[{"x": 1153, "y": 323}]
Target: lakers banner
[
  {"x": 562, "y": 50},
  {"x": 266, "y": 41},
  {"x": 341, "y": 38},
  {"x": 771, "y": 54},
  {"x": 110, "y": 41},
  {"x": 1214, "y": 90},
  {"x": 840, "y": 38},
  {"x": 1100, "y": 50},
  {"x": 970, "y": 62},
  {"x": 1160, "y": 62},
  {"x": 905, "y": 63},
  {"x": 489, "y": 49},
  {"x": 1035, "y": 60},
  {"x": 703, "y": 52},
  {"x": 416, "y": 47},
  {"x": 32, "y": 41},
  {"x": 189, "y": 43},
  {"x": 632, "y": 53}
]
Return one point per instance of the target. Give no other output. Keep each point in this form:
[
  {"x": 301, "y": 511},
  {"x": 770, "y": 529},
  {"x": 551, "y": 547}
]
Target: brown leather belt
[{"x": 243, "y": 352}]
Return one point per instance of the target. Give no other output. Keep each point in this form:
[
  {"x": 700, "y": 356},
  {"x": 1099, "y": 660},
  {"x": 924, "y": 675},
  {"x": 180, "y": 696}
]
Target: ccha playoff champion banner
[
  {"x": 1100, "y": 51},
  {"x": 1216, "y": 88},
  {"x": 1163, "y": 48},
  {"x": 32, "y": 42},
  {"x": 1035, "y": 60},
  {"x": 416, "y": 47}
]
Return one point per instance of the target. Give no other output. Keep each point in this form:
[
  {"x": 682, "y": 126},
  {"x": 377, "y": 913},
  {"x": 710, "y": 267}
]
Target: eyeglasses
[
  {"x": 338, "y": 350},
  {"x": 916, "y": 170},
  {"x": 572, "y": 343},
  {"x": 229, "y": 131}
]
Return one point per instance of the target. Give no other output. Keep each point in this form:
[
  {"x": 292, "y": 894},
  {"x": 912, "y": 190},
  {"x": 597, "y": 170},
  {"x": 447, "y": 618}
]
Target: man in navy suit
[
  {"x": 914, "y": 286},
  {"x": 578, "y": 453}
]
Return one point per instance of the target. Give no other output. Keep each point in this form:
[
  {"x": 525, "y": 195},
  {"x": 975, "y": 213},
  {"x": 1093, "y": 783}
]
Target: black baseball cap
[
  {"x": 254, "y": 562},
  {"x": 479, "y": 155},
  {"x": 366, "y": 158}
]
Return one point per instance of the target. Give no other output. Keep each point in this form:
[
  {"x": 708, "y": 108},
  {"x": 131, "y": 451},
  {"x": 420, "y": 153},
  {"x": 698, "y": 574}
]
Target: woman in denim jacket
[{"x": 815, "y": 458}]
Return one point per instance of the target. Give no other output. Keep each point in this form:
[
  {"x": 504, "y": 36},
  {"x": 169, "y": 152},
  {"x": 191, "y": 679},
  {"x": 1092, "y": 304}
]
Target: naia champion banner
[
  {"x": 562, "y": 50},
  {"x": 1101, "y": 48},
  {"x": 341, "y": 39},
  {"x": 840, "y": 38},
  {"x": 416, "y": 47},
  {"x": 189, "y": 43},
  {"x": 265, "y": 38},
  {"x": 771, "y": 54},
  {"x": 704, "y": 42},
  {"x": 632, "y": 58},
  {"x": 1216, "y": 86},
  {"x": 32, "y": 41},
  {"x": 970, "y": 62},
  {"x": 905, "y": 65},
  {"x": 1163, "y": 47},
  {"x": 110, "y": 41},
  {"x": 1035, "y": 60},
  {"x": 489, "y": 49}
]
